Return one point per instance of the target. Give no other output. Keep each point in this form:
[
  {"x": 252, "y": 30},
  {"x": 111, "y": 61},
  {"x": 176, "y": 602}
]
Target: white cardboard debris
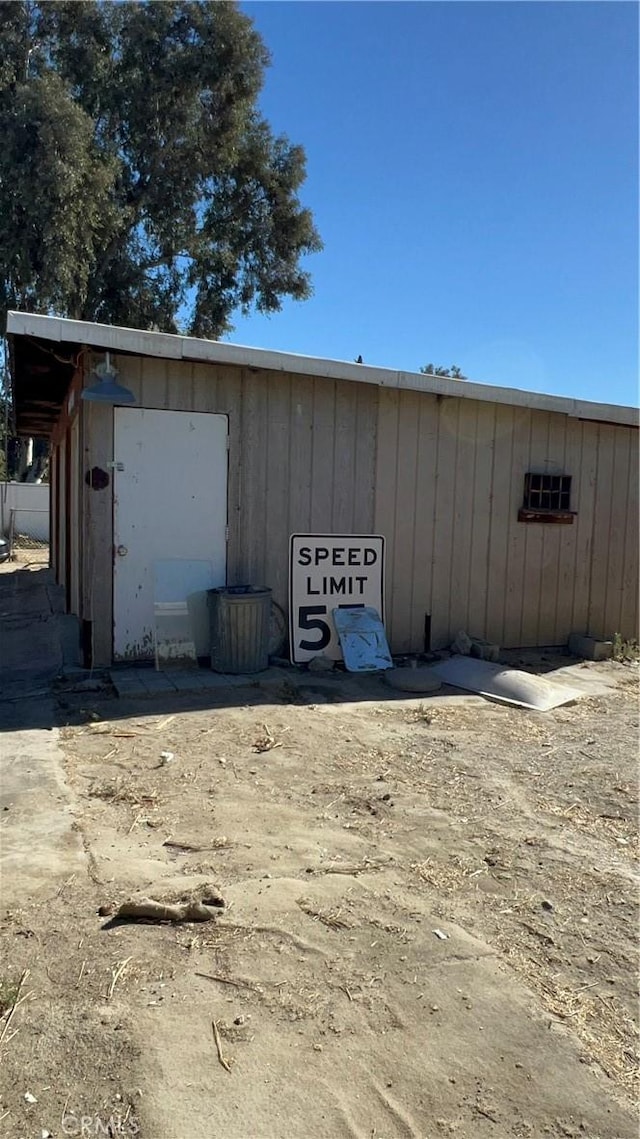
[
  {"x": 362, "y": 639},
  {"x": 508, "y": 685}
]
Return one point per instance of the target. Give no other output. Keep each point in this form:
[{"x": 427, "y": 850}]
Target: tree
[
  {"x": 139, "y": 183},
  {"x": 452, "y": 373}
]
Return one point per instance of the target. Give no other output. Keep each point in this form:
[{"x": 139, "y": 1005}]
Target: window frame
[{"x": 546, "y": 498}]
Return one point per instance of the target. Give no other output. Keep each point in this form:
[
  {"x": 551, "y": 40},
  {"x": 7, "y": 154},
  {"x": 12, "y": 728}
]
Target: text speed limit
[{"x": 330, "y": 571}]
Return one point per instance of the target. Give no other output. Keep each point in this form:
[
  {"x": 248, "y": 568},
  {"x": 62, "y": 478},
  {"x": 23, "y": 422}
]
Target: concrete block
[
  {"x": 590, "y": 648},
  {"x": 464, "y": 645},
  {"x": 484, "y": 650}
]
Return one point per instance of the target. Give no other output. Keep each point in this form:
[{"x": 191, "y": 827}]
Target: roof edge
[{"x": 173, "y": 347}]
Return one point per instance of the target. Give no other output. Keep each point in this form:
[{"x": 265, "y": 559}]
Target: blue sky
[{"x": 472, "y": 169}]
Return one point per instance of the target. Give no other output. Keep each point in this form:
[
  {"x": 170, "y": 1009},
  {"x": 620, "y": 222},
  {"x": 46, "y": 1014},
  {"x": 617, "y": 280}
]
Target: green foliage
[
  {"x": 452, "y": 373},
  {"x": 139, "y": 183},
  {"x": 624, "y": 652}
]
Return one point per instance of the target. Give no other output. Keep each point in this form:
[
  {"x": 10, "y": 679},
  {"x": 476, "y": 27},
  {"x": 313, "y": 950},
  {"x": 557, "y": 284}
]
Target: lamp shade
[{"x": 107, "y": 389}]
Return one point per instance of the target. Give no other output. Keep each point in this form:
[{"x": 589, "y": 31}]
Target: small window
[{"x": 547, "y": 498}]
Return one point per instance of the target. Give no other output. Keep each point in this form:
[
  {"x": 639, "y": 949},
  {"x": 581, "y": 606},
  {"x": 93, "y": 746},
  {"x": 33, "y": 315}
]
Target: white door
[{"x": 170, "y": 502}]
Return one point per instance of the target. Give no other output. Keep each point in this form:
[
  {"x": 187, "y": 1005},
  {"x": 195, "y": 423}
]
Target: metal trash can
[{"x": 239, "y": 620}]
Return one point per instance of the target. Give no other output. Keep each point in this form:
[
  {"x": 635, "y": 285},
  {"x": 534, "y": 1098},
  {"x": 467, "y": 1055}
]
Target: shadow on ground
[{"x": 42, "y": 685}]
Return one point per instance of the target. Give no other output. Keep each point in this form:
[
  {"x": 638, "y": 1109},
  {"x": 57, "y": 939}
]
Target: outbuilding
[{"x": 509, "y": 514}]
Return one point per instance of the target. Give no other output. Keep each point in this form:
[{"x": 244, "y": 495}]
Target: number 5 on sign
[
  {"x": 309, "y": 617},
  {"x": 330, "y": 571}
]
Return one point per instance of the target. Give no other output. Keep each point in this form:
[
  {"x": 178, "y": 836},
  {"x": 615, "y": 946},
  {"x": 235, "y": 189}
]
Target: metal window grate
[{"x": 547, "y": 492}]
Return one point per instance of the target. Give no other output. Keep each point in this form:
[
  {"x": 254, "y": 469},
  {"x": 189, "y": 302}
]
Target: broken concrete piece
[
  {"x": 590, "y": 648},
  {"x": 465, "y": 646},
  {"x": 484, "y": 650},
  {"x": 462, "y": 644}
]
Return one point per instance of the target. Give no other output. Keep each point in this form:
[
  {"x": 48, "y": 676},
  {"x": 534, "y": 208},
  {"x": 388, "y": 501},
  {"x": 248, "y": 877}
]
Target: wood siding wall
[
  {"x": 450, "y": 477},
  {"x": 66, "y": 499},
  {"x": 440, "y": 478}
]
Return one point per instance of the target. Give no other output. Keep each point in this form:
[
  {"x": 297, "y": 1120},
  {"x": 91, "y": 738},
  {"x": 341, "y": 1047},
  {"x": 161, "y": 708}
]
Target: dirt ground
[{"x": 430, "y": 927}]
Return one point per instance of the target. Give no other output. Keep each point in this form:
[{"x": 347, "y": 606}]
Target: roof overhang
[
  {"x": 40, "y": 379},
  {"x": 38, "y": 398}
]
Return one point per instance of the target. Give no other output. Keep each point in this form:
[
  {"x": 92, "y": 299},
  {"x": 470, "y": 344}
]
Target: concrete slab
[
  {"x": 339, "y": 686},
  {"x": 143, "y": 681},
  {"x": 38, "y": 842},
  {"x": 156, "y": 683},
  {"x": 128, "y": 687},
  {"x": 30, "y": 650},
  {"x": 184, "y": 682},
  {"x": 225, "y": 680}
]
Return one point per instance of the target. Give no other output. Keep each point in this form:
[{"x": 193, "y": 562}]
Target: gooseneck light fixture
[{"x": 107, "y": 389}]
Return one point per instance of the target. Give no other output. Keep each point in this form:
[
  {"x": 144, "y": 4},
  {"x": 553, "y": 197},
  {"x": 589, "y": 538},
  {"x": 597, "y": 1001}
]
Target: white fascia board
[{"x": 170, "y": 347}]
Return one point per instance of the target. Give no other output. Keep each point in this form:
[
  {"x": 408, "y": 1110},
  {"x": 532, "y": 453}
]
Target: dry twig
[
  {"x": 147, "y": 909},
  {"x": 134, "y": 823},
  {"x": 116, "y": 974},
  {"x": 228, "y": 981},
  {"x": 164, "y": 723},
  {"x": 220, "y": 980},
  {"x": 17, "y": 1001},
  {"x": 216, "y": 1036},
  {"x": 487, "y": 1114},
  {"x": 189, "y": 846}
]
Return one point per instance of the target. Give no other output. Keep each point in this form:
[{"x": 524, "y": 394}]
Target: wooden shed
[{"x": 509, "y": 514}]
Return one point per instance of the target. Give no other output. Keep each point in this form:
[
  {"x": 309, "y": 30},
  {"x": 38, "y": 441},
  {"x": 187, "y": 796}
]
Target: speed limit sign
[{"x": 326, "y": 572}]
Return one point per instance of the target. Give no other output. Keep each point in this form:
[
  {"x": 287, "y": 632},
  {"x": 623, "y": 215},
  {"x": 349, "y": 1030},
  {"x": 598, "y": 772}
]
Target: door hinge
[
  {"x": 227, "y": 535},
  {"x": 228, "y": 442}
]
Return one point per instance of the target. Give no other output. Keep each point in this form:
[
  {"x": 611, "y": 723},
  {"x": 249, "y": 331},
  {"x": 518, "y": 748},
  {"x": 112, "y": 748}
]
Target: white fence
[{"x": 30, "y": 505}]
